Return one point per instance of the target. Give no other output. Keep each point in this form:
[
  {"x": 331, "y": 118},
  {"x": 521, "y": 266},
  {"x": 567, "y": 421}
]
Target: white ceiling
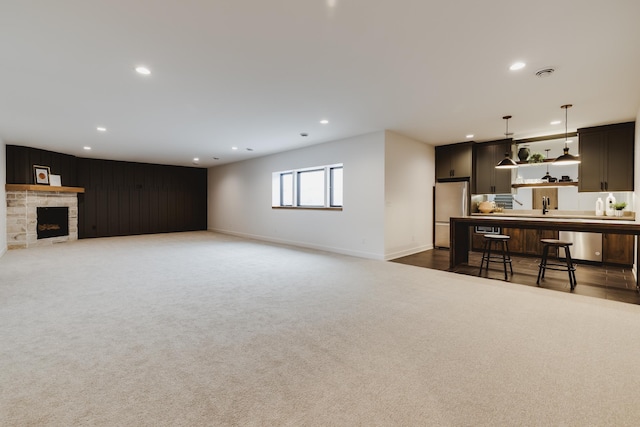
[{"x": 255, "y": 74}]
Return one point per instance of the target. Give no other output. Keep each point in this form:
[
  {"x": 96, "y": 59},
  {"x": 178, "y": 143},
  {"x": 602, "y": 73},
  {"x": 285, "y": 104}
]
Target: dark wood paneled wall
[
  {"x": 122, "y": 198},
  {"x": 20, "y": 161}
]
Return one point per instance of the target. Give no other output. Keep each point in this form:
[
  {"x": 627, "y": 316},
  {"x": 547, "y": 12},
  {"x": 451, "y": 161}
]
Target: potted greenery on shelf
[
  {"x": 536, "y": 158},
  {"x": 619, "y": 207}
]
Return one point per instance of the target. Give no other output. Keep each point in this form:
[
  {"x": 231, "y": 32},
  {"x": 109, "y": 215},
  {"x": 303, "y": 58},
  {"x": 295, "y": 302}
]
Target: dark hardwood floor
[{"x": 608, "y": 282}]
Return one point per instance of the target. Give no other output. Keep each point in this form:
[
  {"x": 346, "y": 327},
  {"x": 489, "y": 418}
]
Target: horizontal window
[{"x": 309, "y": 188}]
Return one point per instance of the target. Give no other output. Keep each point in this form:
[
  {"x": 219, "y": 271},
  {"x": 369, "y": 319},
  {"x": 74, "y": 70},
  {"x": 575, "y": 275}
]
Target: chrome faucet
[{"x": 545, "y": 204}]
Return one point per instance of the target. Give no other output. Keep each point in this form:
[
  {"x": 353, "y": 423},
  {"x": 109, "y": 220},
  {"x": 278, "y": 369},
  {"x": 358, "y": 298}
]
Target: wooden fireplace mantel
[{"x": 31, "y": 187}]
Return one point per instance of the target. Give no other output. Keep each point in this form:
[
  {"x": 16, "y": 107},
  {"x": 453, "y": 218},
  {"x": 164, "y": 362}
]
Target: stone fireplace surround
[{"x": 22, "y": 204}]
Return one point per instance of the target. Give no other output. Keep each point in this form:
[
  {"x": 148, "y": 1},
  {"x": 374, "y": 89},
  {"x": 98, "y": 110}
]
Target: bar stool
[
  {"x": 500, "y": 241},
  {"x": 568, "y": 266}
]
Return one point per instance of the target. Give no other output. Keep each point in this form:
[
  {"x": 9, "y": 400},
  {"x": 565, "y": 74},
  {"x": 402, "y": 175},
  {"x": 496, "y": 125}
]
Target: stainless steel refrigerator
[{"x": 451, "y": 199}]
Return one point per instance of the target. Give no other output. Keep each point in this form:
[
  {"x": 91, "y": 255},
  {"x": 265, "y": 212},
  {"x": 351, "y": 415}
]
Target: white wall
[
  {"x": 240, "y": 199},
  {"x": 636, "y": 184},
  {"x": 409, "y": 181},
  {"x": 636, "y": 167},
  {"x": 3, "y": 198}
]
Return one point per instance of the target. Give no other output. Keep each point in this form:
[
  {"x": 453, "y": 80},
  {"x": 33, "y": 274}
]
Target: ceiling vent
[{"x": 545, "y": 72}]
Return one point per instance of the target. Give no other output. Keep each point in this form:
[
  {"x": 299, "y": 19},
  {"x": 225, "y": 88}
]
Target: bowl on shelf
[{"x": 486, "y": 207}]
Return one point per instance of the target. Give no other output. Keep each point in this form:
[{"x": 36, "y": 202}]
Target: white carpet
[{"x": 206, "y": 329}]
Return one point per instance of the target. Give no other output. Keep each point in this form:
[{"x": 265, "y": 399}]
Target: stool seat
[
  {"x": 500, "y": 241},
  {"x": 555, "y": 242},
  {"x": 568, "y": 266},
  {"x": 496, "y": 237}
]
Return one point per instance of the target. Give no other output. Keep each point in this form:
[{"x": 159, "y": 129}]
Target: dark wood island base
[{"x": 460, "y": 231}]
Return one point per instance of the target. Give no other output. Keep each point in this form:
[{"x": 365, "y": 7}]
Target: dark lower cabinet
[
  {"x": 617, "y": 249},
  {"x": 531, "y": 241},
  {"x": 523, "y": 241},
  {"x": 516, "y": 241},
  {"x": 477, "y": 242}
]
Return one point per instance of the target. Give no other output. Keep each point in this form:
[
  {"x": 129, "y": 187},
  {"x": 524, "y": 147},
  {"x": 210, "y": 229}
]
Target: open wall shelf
[
  {"x": 547, "y": 184},
  {"x": 521, "y": 163}
]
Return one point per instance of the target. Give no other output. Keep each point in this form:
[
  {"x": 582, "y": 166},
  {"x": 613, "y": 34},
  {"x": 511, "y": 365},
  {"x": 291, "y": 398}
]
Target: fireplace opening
[{"x": 53, "y": 222}]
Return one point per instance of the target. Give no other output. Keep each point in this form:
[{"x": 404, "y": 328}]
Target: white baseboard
[
  {"x": 342, "y": 251},
  {"x": 406, "y": 252}
]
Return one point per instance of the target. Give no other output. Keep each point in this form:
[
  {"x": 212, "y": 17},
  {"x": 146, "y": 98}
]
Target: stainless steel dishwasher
[{"x": 586, "y": 246}]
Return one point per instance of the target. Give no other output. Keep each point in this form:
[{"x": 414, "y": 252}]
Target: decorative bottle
[
  {"x": 599, "y": 207},
  {"x": 611, "y": 211}
]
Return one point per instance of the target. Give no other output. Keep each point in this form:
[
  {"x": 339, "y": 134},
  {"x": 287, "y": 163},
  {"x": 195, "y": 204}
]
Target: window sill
[{"x": 321, "y": 208}]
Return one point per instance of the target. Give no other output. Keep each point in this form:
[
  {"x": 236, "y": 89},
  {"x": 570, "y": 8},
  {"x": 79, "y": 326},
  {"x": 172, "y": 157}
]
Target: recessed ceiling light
[
  {"x": 101, "y": 129},
  {"x": 249, "y": 149},
  {"x": 234, "y": 148},
  {"x": 324, "y": 121},
  {"x": 470, "y": 135},
  {"x": 87, "y": 148},
  {"x": 143, "y": 70},
  {"x": 196, "y": 159},
  {"x": 304, "y": 134},
  {"x": 556, "y": 122},
  {"x": 216, "y": 158},
  {"x": 517, "y": 66}
]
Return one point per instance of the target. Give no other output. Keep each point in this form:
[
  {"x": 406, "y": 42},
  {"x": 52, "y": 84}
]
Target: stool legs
[
  {"x": 506, "y": 258},
  {"x": 543, "y": 264},
  {"x": 486, "y": 256},
  {"x": 570, "y": 268},
  {"x": 484, "y": 251},
  {"x": 504, "y": 261}
]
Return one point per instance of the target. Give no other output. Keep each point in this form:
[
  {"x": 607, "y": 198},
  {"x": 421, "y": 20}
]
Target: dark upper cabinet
[
  {"x": 454, "y": 161},
  {"x": 606, "y": 158},
  {"x": 488, "y": 179}
]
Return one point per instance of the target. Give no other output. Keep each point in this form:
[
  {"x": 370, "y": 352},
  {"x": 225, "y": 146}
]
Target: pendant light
[
  {"x": 507, "y": 162},
  {"x": 566, "y": 158},
  {"x": 547, "y": 176}
]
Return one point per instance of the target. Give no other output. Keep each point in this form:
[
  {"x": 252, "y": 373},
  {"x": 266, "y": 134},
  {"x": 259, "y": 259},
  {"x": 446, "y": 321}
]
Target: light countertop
[{"x": 558, "y": 214}]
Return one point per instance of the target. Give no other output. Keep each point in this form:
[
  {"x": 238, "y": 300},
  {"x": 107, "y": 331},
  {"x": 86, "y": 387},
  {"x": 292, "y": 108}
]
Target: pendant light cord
[
  {"x": 566, "y": 128},
  {"x": 547, "y": 150},
  {"x": 506, "y": 134}
]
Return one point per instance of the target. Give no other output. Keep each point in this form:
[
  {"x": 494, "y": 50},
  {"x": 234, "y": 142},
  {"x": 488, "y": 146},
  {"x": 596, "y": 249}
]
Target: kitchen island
[{"x": 460, "y": 243}]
